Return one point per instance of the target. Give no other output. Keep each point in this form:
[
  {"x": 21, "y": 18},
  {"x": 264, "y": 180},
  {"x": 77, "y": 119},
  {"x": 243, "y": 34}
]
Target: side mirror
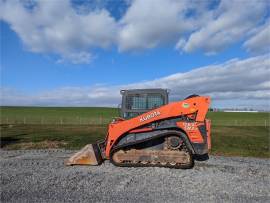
[{"x": 122, "y": 92}]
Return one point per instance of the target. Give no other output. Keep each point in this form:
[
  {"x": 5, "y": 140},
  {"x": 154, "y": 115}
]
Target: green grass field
[
  {"x": 233, "y": 134},
  {"x": 57, "y": 115}
]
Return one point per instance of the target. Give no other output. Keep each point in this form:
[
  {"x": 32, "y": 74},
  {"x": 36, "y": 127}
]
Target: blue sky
[{"x": 83, "y": 55}]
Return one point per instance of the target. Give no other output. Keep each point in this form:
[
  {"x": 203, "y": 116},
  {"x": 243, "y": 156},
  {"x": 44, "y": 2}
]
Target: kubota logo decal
[{"x": 150, "y": 115}]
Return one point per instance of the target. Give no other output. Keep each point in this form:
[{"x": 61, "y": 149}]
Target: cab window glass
[{"x": 155, "y": 101}]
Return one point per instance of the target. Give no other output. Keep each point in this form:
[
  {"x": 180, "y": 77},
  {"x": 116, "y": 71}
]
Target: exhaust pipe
[{"x": 89, "y": 155}]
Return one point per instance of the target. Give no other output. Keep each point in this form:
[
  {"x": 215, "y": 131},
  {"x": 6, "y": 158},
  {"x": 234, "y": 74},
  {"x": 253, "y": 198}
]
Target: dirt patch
[{"x": 47, "y": 144}]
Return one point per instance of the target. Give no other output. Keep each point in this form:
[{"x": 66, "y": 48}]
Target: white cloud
[
  {"x": 230, "y": 22},
  {"x": 260, "y": 41},
  {"x": 77, "y": 58},
  {"x": 56, "y": 27},
  {"x": 73, "y": 32},
  {"x": 234, "y": 83},
  {"x": 148, "y": 24},
  {"x": 245, "y": 79}
]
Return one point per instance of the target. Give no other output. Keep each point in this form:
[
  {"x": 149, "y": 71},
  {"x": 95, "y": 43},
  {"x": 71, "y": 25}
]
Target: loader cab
[{"x": 138, "y": 101}]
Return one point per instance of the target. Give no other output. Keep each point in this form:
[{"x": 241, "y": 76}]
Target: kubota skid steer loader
[{"x": 153, "y": 132}]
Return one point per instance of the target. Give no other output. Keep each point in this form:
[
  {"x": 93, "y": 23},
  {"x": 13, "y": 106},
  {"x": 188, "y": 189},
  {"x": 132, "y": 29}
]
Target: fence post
[
  {"x": 24, "y": 121},
  {"x": 61, "y": 121},
  {"x": 265, "y": 123},
  {"x": 7, "y": 120}
]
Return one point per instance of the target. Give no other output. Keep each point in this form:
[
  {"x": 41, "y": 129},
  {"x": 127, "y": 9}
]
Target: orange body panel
[
  {"x": 208, "y": 128},
  {"x": 198, "y": 105},
  {"x": 141, "y": 130}
]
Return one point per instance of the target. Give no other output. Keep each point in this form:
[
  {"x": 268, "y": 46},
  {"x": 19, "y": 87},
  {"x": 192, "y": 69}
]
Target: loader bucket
[{"x": 89, "y": 155}]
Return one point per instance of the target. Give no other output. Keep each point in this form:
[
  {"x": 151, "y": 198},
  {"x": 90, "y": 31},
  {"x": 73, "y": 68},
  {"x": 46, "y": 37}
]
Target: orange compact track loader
[{"x": 153, "y": 132}]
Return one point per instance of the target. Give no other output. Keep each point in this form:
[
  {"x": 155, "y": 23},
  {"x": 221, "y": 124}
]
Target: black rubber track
[{"x": 181, "y": 166}]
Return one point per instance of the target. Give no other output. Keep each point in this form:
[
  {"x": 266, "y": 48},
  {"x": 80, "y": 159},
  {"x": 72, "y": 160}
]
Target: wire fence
[
  {"x": 105, "y": 120},
  {"x": 265, "y": 123},
  {"x": 57, "y": 121}
]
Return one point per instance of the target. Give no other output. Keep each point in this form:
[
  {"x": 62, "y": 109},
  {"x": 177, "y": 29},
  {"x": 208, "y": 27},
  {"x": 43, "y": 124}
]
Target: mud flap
[{"x": 89, "y": 155}]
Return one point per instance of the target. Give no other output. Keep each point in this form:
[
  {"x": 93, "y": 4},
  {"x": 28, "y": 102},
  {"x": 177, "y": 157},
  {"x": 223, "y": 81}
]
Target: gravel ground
[{"x": 40, "y": 176}]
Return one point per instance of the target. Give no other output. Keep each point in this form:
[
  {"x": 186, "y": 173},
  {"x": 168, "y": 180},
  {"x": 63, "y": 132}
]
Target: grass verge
[
  {"x": 250, "y": 141},
  {"x": 52, "y": 136}
]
